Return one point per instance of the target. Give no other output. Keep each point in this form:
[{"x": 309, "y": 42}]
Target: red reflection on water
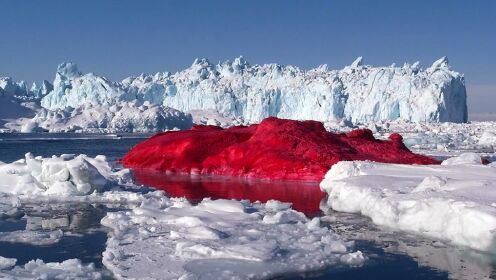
[{"x": 305, "y": 197}]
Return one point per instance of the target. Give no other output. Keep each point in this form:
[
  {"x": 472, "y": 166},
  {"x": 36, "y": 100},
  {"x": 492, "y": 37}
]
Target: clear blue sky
[{"x": 121, "y": 38}]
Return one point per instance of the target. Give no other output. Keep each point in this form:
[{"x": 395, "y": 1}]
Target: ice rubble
[
  {"x": 453, "y": 201},
  {"x": 120, "y": 117},
  {"x": 66, "y": 175},
  {"x": 37, "y": 269},
  {"x": 168, "y": 238},
  {"x": 447, "y": 139},
  {"x": 253, "y": 92}
]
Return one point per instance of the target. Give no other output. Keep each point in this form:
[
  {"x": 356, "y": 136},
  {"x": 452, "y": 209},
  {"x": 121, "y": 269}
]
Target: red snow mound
[{"x": 273, "y": 149}]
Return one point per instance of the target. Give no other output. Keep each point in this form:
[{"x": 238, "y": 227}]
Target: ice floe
[
  {"x": 454, "y": 201},
  {"x": 168, "y": 238},
  {"x": 37, "y": 269},
  {"x": 38, "y": 238},
  {"x": 62, "y": 176}
]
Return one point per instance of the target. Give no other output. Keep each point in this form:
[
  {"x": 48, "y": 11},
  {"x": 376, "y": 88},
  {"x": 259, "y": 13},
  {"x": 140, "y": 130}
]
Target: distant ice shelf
[{"x": 242, "y": 93}]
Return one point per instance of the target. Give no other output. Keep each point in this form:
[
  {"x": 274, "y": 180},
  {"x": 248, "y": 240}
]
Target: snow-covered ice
[
  {"x": 453, "y": 201},
  {"x": 168, "y": 238},
  {"x": 37, "y": 269}
]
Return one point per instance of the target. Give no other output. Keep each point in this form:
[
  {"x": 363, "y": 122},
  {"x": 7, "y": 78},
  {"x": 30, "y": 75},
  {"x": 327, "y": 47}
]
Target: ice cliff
[{"x": 360, "y": 93}]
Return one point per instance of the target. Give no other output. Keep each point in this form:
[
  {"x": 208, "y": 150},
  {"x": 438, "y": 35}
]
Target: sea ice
[
  {"x": 37, "y": 269},
  {"x": 453, "y": 201},
  {"x": 38, "y": 238},
  {"x": 168, "y": 238}
]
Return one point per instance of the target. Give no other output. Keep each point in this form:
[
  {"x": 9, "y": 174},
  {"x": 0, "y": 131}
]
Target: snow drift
[
  {"x": 274, "y": 149},
  {"x": 453, "y": 201},
  {"x": 253, "y": 92}
]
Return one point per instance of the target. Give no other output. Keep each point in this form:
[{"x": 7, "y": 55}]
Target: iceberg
[{"x": 236, "y": 89}]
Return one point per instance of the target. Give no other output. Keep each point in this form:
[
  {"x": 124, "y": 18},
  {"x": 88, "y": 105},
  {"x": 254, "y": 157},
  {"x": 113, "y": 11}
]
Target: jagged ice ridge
[{"x": 253, "y": 92}]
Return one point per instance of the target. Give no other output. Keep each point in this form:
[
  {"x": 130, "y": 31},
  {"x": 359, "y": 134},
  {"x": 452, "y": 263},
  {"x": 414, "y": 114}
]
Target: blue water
[{"x": 390, "y": 255}]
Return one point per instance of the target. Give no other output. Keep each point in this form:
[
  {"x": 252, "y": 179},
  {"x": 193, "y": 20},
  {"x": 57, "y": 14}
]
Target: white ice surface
[
  {"x": 219, "y": 239},
  {"x": 37, "y": 269},
  {"x": 454, "y": 201}
]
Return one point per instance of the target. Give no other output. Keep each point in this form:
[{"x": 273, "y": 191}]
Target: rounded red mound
[{"x": 274, "y": 149}]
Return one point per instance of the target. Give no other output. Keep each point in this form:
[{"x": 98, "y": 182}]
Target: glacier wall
[{"x": 360, "y": 93}]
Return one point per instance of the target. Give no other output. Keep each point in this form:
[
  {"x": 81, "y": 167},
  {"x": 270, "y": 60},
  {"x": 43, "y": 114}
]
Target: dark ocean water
[{"x": 391, "y": 255}]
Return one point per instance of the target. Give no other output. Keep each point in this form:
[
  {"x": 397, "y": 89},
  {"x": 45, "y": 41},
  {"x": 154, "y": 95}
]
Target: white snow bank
[
  {"x": 37, "y": 269},
  {"x": 218, "y": 239},
  {"x": 237, "y": 89},
  {"x": 455, "y": 201},
  {"x": 60, "y": 176}
]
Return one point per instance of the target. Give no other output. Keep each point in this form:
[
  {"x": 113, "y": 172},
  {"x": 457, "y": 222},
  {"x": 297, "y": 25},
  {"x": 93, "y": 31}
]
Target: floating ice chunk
[
  {"x": 37, "y": 269},
  {"x": 453, "y": 202},
  {"x": 218, "y": 239},
  {"x": 65, "y": 175},
  {"x": 6, "y": 263},
  {"x": 38, "y": 238},
  {"x": 465, "y": 158}
]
